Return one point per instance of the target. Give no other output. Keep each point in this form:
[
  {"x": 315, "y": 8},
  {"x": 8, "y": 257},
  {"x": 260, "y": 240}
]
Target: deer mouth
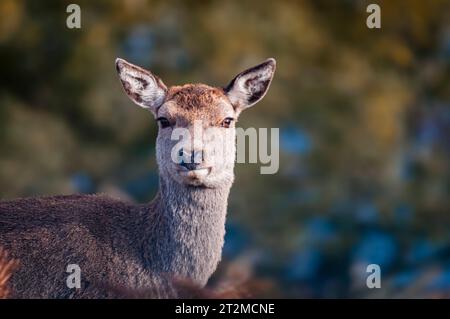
[{"x": 197, "y": 173}]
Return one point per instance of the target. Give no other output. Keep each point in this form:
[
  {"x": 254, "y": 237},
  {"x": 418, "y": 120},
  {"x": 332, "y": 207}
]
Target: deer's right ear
[
  {"x": 142, "y": 87},
  {"x": 250, "y": 86}
]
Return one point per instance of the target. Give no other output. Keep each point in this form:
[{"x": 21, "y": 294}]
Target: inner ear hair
[
  {"x": 142, "y": 87},
  {"x": 250, "y": 86}
]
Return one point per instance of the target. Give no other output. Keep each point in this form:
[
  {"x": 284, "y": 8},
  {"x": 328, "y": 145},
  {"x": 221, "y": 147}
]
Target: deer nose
[{"x": 191, "y": 159}]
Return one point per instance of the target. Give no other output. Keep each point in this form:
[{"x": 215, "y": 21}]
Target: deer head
[{"x": 196, "y": 138}]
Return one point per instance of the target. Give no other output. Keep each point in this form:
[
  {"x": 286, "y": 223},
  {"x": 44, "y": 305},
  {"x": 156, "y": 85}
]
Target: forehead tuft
[{"x": 195, "y": 96}]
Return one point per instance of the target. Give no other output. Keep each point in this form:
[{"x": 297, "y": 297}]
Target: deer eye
[
  {"x": 163, "y": 121},
  {"x": 227, "y": 122}
]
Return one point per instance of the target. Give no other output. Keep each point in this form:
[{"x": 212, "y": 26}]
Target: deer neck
[{"x": 191, "y": 227}]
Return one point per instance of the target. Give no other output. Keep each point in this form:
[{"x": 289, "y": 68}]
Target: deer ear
[
  {"x": 250, "y": 86},
  {"x": 141, "y": 86}
]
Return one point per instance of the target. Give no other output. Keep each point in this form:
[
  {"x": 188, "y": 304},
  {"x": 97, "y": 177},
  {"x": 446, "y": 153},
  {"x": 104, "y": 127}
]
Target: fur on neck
[{"x": 190, "y": 222}]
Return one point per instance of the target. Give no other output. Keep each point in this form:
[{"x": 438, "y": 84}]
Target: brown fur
[
  {"x": 7, "y": 266},
  {"x": 195, "y": 96}
]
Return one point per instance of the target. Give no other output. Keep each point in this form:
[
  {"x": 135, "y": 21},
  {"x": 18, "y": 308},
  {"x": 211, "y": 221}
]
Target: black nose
[{"x": 190, "y": 160}]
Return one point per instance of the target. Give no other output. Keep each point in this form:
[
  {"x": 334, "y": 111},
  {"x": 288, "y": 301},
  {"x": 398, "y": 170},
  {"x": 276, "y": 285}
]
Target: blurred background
[{"x": 364, "y": 122}]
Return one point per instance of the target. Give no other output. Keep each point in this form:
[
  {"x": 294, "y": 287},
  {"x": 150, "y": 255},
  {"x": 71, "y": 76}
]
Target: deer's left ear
[
  {"x": 250, "y": 86},
  {"x": 142, "y": 87}
]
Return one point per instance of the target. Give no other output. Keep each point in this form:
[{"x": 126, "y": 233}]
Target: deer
[{"x": 118, "y": 243}]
